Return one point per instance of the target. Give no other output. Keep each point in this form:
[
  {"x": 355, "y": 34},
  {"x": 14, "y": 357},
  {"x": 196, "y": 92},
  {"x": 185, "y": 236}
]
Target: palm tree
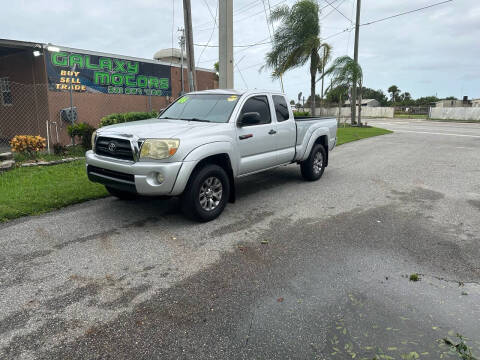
[
  {"x": 345, "y": 72},
  {"x": 296, "y": 40},
  {"x": 395, "y": 91},
  {"x": 324, "y": 60}
]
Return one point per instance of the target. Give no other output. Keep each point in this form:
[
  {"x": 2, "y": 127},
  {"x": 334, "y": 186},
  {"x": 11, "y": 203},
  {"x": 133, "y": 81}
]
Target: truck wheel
[
  {"x": 312, "y": 168},
  {"x": 206, "y": 194},
  {"x": 123, "y": 195}
]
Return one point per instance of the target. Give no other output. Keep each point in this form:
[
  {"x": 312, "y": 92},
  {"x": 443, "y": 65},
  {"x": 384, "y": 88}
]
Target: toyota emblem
[{"x": 112, "y": 147}]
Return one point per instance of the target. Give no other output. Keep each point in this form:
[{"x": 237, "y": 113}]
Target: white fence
[
  {"x": 367, "y": 112},
  {"x": 455, "y": 113}
]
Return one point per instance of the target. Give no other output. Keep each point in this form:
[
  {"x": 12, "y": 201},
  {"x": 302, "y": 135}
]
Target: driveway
[{"x": 292, "y": 270}]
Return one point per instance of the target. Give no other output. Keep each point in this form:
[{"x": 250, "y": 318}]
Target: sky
[{"x": 431, "y": 52}]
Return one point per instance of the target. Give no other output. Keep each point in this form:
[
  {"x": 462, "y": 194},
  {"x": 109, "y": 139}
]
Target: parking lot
[{"x": 291, "y": 270}]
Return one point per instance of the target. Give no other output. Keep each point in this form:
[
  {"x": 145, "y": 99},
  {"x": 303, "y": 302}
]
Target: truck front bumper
[{"x": 145, "y": 178}]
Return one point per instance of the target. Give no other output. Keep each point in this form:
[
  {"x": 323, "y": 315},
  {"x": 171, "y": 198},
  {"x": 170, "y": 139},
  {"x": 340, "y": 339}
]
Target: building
[
  {"x": 39, "y": 83},
  {"x": 365, "y": 102},
  {"x": 454, "y": 103},
  {"x": 170, "y": 56},
  {"x": 476, "y": 102}
]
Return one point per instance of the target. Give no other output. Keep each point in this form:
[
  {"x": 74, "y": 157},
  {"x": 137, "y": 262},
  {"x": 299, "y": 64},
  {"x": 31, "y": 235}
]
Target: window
[
  {"x": 281, "y": 108},
  {"x": 258, "y": 104},
  {"x": 211, "y": 107},
  {"x": 5, "y": 91}
]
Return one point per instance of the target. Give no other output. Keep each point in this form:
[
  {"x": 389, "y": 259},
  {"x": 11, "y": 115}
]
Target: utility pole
[
  {"x": 353, "y": 102},
  {"x": 182, "y": 48},
  {"x": 225, "y": 40},
  {"x": 187, "y": 16}
]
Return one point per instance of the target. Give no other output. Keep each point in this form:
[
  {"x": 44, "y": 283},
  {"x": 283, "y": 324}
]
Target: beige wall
[
  {"x": 455, "y": 113},
  {"x": 375, "y": 112}
]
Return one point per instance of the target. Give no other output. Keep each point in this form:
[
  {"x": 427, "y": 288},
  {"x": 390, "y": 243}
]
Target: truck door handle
[{"x": 272, "y": 132}]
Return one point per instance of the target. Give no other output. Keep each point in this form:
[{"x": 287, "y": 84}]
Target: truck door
[
  {"x": 286, "y": 136},
  {"x": 256, "y": 143}
]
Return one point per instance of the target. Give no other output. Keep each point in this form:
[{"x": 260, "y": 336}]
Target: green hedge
[
  {"x": 126, "y": 117},
  {"x": 84, "y": 131},
  {"x": 301, "y": 113}
]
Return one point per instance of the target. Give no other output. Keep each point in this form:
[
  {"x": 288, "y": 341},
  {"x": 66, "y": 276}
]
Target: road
[{"x": 292, "y": 270}]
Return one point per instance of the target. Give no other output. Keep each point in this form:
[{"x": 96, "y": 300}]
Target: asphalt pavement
[{"x": 292, "y": 270}]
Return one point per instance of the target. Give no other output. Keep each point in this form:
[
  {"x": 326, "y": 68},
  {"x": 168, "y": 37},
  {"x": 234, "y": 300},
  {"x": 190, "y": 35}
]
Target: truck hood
[{"x": 153, "y": 128}]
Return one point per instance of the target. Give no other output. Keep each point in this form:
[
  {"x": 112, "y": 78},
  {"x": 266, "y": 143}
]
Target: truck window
[
  {"x": 258, "y": 104},
  {"x": 207, "y": 107},
  {"x": 281, "y": 108}
]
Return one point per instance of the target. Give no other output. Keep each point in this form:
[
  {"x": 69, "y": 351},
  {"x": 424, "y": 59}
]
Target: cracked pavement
[{"x": 292, "y": 270}]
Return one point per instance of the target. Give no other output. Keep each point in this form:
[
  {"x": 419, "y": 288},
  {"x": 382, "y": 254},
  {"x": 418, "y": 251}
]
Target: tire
[
  {"x": 123, "y": 195},
  {"x": 311, "y": 168},
  {"x": 206, "y": 194}
]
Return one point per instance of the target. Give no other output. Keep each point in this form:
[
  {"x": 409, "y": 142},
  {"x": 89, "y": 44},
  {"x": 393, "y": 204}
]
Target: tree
[
  {"x": 309, "y": 100},
  {"x": 375, "y": 94},
  {"x": 216, "y": 67},
  {"x": 296, "y": 41},
  {"x": 345, "y": 72},
  {"x": 334, "y": 95},
  {"x": 426, "y": 100},
  {"x": 394, "y": 91},
  {"x": 324, "y": 60},
  {"x": 451, "y": 98},
  {"x": 292, "y": 102}
]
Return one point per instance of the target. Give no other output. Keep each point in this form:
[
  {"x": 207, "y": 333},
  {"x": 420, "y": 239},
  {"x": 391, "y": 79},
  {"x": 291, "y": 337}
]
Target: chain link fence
[{"x": 27, "y": 109}]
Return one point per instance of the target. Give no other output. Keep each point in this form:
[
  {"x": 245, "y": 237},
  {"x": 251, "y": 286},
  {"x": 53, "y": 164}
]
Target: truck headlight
[
  {"x": 158, "y": 149},
  {"x": 94, "y": 137}
]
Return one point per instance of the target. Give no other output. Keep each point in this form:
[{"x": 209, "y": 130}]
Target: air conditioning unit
[{"x": 69, "y": 114}]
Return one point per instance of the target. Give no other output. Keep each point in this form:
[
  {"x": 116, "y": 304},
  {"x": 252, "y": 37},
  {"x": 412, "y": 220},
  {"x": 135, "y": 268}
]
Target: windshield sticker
[
  {"x": 183, "y": 100},
  {"x": 232, "y": 98}
]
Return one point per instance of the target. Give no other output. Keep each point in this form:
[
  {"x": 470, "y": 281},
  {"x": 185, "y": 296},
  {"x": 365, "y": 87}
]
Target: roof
[
  {"x": 364, "y": 101},
  {"x": 38, "y": 46},
  {"x": 169, "y": 53}
]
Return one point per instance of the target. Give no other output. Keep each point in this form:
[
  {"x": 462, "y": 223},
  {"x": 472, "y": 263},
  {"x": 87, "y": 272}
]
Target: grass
[
  {"x": 348, "y": 134},
  {"x": 35, "y": 190},
  {"x": 414, "y": 277},
  {"x": 411, "y": 116}
]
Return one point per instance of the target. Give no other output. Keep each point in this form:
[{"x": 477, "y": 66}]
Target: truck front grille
[{"x": 115, "y": 148}]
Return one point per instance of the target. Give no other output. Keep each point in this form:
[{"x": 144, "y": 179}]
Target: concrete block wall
[
  {"x": 374, "y": 112},
  {"x": 455, "y": 113}
]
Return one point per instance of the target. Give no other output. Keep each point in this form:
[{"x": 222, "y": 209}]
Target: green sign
[{"x": 92, "y": 73}]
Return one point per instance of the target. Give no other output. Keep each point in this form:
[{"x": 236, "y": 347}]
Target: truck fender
[
  {"x": 199, "y": 154},
  {"x": 313, "y": 138}
]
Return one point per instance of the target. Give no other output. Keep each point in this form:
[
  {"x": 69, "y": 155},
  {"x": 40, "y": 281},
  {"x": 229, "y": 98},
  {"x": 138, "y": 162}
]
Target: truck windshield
[{"x": 202, "y": 107}]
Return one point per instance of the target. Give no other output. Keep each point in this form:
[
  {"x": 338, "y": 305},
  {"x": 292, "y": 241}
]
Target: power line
[
  {"x": 173, "y": 28},
  {"x": 241, "y": 75},
  {"x": 349, "y": 20},
  {"x": 325, "y": 16},
  {"x": 238, "y": 11},
  {"x": 213, "y": 30},
  {"x": 405, "y": 13},
  {"x": 237, "y": 46}
]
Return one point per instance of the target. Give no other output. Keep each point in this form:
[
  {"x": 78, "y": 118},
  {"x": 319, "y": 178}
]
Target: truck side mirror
[{"x": 249, "y": 118}]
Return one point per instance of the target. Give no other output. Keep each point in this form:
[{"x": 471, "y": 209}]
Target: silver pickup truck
[{"x": 202, "y": 142}]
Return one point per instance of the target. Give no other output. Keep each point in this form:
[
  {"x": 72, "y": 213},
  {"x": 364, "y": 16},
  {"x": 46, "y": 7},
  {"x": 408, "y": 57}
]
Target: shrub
[
  {"x": 28, "y": 145},
  {"x": 59, "y": 149},
  {"x": 301, "y": 113},
  {"x": 84, "y": 131},
  {"x": 126, "y": 117}
]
